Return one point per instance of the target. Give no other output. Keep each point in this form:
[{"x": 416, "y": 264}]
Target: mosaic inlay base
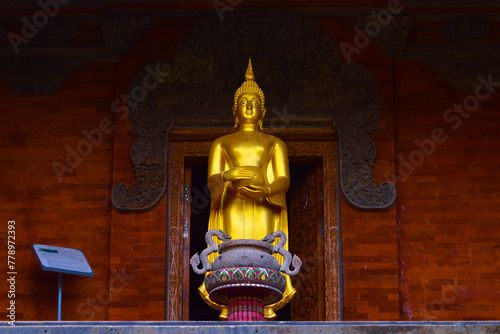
[{"x": 269, "y": 284}]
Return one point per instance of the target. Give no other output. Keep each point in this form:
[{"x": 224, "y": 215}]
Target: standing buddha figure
[{"x": 248, "y": 176}]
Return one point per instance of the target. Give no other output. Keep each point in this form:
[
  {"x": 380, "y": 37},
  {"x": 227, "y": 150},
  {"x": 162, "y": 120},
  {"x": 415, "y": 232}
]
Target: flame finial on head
[
  {"x": 249, "y": 73},
  {"x": 249, "y": 86}
]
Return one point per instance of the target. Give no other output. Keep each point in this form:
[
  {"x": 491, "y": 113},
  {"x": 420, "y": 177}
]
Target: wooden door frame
[{"x": 301, "y": 144}]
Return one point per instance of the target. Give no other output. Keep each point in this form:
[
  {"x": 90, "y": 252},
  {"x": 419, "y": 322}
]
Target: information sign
[{"x": 63, "y": 260}]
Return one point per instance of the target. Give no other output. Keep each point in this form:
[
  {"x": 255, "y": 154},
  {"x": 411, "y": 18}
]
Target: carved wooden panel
[
  {"x": 306, "y": 241},
  {"x": 328, "y": 152},
  {"x": 41, "y": 68},
  {"x": 178, "y": 151},
  {"x": 465, "y": 29},
  {"x": 394, "y": 36},
  {"x": 465, "y": 59},
  {"x": 197, "y": 87},
  {"x": 357, "y": 110}
]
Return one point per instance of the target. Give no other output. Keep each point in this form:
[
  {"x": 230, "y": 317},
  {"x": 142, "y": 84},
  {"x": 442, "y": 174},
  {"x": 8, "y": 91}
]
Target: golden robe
[{"x": 229, "y": 209}]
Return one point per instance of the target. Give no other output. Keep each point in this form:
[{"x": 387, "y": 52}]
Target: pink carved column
[{"x": 246, "y": 307}]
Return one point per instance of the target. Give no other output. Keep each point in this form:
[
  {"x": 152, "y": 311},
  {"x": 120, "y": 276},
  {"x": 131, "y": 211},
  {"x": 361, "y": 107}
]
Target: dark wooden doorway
[
  {"x": 306, "y": 228},
  {"x": 306, "y": 220},
  {"x": 318, "y": 155}
]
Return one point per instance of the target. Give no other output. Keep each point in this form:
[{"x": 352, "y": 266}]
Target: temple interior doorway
[{"x": 305, "y": 216}]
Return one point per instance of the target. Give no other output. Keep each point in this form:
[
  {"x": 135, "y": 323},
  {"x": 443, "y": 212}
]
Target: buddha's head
[{"x": 249, "y": 101}]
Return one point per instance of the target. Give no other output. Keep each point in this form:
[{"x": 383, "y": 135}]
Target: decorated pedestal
[{"x": 245, "y": 276}]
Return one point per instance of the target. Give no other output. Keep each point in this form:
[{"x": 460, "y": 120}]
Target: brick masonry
[
  {"x": 434, "y": 256},
  {"x": 75, "y": 212},
  {"x": 448, "y": 207}
]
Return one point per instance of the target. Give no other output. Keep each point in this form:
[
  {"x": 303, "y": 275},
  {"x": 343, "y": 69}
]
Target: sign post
[
  {"x": 59, "y": 297},
  {"x": 62, "y": 260}
]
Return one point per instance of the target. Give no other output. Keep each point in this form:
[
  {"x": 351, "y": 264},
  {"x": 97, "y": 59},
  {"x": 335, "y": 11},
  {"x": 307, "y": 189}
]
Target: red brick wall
[
  {"x": 369, "y": 240},
  {"x": 448, "y": 207},
  {"x": 127, "y": 252},
  {"x": 75, "y": 212},
  {"x": 434, "y": 255},
  {"x": 139, "y": 240},
  {"x": 431, "y": 257}
]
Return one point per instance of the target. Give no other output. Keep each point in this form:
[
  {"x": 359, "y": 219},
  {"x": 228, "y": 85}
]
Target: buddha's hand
[
  {"x": 255, "y": 191},
  {"x": 238, "y": 173}
]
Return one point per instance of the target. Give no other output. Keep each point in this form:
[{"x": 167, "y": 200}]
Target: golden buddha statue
[{"x": 248, "y": 176}]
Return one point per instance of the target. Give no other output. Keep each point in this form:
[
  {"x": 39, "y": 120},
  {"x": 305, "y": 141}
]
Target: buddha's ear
[
  {"x": 261, "y": 127},
  {"x": 236, "y": 121}
]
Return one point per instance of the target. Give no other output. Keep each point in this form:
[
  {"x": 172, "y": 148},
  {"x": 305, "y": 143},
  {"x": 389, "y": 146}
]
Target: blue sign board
[{"x": 62, "y": 260}]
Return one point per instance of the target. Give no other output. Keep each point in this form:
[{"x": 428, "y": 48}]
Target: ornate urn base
[{"x": 245, "y": 276}]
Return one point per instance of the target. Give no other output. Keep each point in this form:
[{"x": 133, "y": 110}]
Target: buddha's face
[{"x": 249, "y": 109}]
